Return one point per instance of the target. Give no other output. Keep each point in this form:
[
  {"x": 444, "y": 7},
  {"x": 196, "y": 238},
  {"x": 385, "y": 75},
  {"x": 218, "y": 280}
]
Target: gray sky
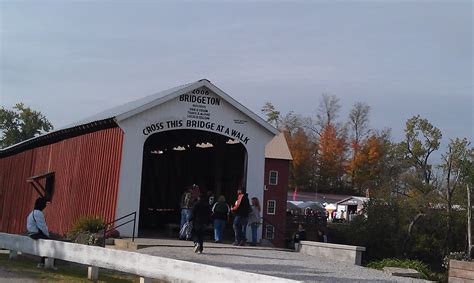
[{"x": 72, "y": 60}]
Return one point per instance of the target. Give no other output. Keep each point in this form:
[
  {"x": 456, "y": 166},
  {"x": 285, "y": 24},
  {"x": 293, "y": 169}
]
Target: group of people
[{"x": 198, "y": 210}]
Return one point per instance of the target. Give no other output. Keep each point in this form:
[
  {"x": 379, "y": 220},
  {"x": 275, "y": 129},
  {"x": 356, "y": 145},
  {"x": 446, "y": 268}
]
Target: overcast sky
[{"x": 72, "y": 60}]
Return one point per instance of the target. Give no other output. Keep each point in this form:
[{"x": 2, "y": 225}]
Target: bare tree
[
  {"x": 359, "y": 120},
  {"x": 327, "y": 112}
]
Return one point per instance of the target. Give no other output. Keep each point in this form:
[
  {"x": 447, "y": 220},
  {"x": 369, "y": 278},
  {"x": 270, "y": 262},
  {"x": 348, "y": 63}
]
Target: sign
[{"x": 198, "y": 116}]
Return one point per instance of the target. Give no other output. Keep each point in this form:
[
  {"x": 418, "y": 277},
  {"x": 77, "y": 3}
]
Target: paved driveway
[{"x": 275, "y": 262}]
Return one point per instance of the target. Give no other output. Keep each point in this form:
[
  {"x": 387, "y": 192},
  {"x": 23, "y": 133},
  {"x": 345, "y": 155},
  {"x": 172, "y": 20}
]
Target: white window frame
[
  {"x": 272, "y": 229},
  {"x": 274, "y": 207},
  {"x": 270, "y": 178}
]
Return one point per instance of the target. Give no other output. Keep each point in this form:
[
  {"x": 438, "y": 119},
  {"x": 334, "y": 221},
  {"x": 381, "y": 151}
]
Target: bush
[
  {"x": 87, "y": 230},
  {"x": 419, "y": 266}
]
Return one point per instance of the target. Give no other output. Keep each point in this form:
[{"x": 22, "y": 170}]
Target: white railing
[{"x": 145, "y": 266}]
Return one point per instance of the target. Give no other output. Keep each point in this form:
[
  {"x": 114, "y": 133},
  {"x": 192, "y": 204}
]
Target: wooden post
[
  {"x": 13, "y": 254},
  {"x": 93, "y": 273},
  {"x": 469, "y": 216},
  {"x": 145, "y": 280},
  {"x": 49, "y": 263}
]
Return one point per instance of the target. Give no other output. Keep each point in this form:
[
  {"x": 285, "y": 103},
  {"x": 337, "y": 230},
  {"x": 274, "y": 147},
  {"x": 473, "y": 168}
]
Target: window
[
  {"x": 270, "y": 232},
  {"x": 273, "y": 178},
  {"x": 271, "y": 207}
]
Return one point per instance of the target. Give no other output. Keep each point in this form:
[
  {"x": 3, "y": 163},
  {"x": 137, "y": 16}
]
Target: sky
[{"x": 73, "y": 59}]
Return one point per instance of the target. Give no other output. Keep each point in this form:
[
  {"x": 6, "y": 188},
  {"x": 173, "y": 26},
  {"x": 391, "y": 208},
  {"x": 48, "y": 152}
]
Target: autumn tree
[
  {"x": 20, "y": 124},
  {"x": 332, "y": 160},
  {"x": 367, "y": 165},
  {"x": 358, "y": 124},
  {"x": 303, "y": 150}
]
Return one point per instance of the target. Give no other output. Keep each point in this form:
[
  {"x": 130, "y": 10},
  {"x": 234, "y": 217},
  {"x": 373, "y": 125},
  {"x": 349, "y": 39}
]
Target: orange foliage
[{"x": 332, "y": 155}]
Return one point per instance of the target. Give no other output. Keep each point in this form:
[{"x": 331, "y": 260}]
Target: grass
[{"x": 67, "y": 272}]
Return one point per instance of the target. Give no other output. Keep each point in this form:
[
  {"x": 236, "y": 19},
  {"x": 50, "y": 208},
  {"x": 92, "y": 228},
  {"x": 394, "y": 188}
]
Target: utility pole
[{"x": 469, "y": 236}]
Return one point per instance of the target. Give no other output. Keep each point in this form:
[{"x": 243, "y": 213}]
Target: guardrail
[{"x": 143, "y": 265}]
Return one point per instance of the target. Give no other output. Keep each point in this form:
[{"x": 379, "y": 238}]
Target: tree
[
  {"x": 327, "y": 112},
  {"x": 358, "y": 123},
  {"x": 420, "y": 181},
  {"x": 303, "y": 150},
  {"x": 273, "y": 115},
  {"x": 366, "y": 166},
  {"x": 453, "y": 164},
  {"x": 419, "y": 149},
  {"x": 359, "y": 120},
  {"x": 20, "y": 124},
  {"x": 332, "y": 158}
]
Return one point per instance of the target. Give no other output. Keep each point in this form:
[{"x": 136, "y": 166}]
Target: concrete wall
[
  {"x": 351, "y": 254},
  {"x": 461, "y": 271},
  {"x": 136, "y": 128},
  {"x": 134, "y": 263}
]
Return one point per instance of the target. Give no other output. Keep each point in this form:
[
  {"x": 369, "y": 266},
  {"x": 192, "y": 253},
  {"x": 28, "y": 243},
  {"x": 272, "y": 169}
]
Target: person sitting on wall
[
  {"x": 322, "y": 237},
  {"x": 186, "y": 205},
  {"x": 300, "y": 235},
  {"x": 241, "y": 210},
  {"x": 36, "y": 225}
]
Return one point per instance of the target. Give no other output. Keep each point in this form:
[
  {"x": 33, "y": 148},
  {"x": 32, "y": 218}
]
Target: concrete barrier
[
  {"x": 351, "y": 254},
  {"x": 461, "y": 271},
  {"x": 145, "y": 266}
]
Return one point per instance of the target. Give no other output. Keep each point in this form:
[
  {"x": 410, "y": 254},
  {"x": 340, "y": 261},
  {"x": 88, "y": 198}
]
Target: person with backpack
[
  {"x": 200, "y": 217},
  {"x": 220, "y": 214},
  {"x": 241, "y": 209},
  {"x": 186, "y": 205}
]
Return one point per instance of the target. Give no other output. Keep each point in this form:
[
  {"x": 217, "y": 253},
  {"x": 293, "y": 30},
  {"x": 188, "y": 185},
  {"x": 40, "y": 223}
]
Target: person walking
[
  {"x": 186, "y": 205},
  {"x": 200, "y": 217},
  {"x": 220, "y": 214},
  {"x": 241, "y": 210},
  {"x": 36, "y": 225},
  {"x": 254, "y": 220}
]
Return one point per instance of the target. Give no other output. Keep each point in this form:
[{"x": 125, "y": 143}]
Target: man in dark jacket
[
  {"x": 200, "y": 217},
  {"x": 241, "y": 210}
]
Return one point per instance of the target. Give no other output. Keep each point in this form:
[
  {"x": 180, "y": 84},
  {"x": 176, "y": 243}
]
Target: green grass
[{"x": 67, "y": 272}]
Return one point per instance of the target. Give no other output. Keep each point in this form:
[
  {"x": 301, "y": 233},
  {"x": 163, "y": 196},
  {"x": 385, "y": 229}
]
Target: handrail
[{"x": 118, "y": 219}]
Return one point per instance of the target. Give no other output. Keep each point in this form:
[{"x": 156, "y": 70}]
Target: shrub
[
  {"x": 419, "y": 266},
  {"x": 87, "y": 230}
]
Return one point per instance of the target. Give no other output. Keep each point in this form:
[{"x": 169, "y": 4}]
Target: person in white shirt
[{"x": 36, "y": 225}]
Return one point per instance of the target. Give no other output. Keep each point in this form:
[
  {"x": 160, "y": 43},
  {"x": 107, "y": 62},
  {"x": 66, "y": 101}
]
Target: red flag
[{"x": 294, "y": 194}]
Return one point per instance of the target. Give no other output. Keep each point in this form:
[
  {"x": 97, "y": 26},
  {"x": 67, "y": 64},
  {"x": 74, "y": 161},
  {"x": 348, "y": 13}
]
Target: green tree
[
  {"x": 273, "y": 115},
  {"x": 421, "y": 140},
  {"x": 20, "y": 124},
  {"x": 453, "y": 163}
]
